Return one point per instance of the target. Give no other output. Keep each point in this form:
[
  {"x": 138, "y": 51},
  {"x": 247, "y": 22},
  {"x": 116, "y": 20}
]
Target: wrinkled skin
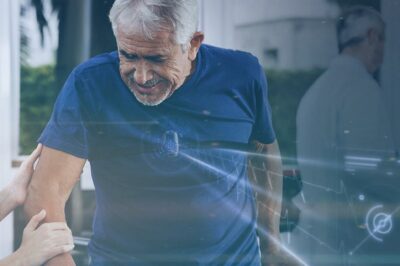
[{"x": 154, "y": 69}]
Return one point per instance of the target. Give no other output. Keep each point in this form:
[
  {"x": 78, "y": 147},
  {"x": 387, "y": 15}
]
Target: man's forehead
[{"x": 161, "y": 41}]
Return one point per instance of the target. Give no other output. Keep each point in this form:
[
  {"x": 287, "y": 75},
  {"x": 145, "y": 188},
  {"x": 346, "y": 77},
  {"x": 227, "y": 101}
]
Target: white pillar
[
  {"x": 390, "y": 74},
  {"x": 217, "y": 22},
  {"x": 8, "y": 13},
  {"x": 15, "y": 76}
]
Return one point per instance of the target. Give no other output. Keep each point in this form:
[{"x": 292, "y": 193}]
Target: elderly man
[
  {"x": 160, "y": 122},
  {"x": 344, "y": 146}
]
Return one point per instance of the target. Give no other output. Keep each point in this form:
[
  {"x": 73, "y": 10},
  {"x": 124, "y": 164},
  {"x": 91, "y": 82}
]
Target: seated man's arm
[
  {"x": 269, "y": 185},
  {"x": 50, "y": 187},
  {"x": 269, "y": 198}
]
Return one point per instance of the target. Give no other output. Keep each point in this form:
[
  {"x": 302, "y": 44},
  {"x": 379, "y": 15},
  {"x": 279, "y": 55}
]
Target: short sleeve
[
  {"x": 263, "y": 130},
  {"x": 66, "y": 130}
]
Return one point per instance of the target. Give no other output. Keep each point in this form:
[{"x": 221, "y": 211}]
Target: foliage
[
  {"x": 286, "y": 88},
  {"x": 41, "y": 19},
  {"x": 38, "y": 93}
]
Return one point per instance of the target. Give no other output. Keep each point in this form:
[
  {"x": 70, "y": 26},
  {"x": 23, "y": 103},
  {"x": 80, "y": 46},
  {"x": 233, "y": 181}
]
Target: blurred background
[{"x": 43, "y": 40}]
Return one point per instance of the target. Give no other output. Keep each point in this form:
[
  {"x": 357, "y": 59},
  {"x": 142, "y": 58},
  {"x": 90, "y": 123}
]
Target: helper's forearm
[
  {"x": 13, "y": 259},
  {"x": 7, "y": 201},
  {"x": 17, "y": 259}
]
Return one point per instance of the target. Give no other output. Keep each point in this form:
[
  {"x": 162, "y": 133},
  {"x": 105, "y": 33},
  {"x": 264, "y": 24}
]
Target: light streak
[
  {"x": 366, "y": 159},
  {"x": 260, "y": 229},
  {"x": 316, "y": 239},
  {"x": 373, "y": 165},
  {"x": 256, "y": 188},
  {"x": 282, "y": 246}
]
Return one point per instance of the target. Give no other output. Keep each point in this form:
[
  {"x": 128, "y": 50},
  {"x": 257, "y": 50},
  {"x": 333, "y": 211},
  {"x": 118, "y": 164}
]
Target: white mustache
[{"x": 149, "y": 83}]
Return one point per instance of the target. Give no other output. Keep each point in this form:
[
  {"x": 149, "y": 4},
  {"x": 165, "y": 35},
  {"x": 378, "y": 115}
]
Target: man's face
[
  {"x": 378, "y": 47},
  {"x": 153, "y": 69}
]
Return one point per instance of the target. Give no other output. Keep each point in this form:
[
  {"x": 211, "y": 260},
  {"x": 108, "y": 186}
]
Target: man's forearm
[
  {"x": 48, "y": 198},
  {"x": 269, "y": 201},
  {"x": 51, "y": 185},
  {"x": 54, "y": 204}
]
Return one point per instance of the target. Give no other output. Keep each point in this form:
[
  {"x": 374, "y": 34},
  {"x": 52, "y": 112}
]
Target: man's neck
[{"x": 360, "y": 56}]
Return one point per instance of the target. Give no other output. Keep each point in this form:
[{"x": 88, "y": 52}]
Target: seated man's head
[
  {"x": 361, "y": 33},
  {"x": 158, "y": 43}
]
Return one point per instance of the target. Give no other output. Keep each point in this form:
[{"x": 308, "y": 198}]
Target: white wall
[
  {"x": 251, "y": 11},
  {"x": 301, "y": 43},
  {"x": 390, "y": 74},
  {"x": 254, "y": 25},
  {"x": 217, "y": 22}
]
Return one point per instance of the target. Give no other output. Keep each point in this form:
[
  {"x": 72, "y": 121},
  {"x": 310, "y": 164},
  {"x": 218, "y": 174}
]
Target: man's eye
[
  {"x": 128, "y": 56},
  {"x": 157, "y": 59},
  {"x": 131, "y": 57}
]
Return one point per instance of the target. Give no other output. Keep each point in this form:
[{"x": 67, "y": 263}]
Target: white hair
[
  {"x": 354, "y": 24},
  {"x": 149, "y": 16}
]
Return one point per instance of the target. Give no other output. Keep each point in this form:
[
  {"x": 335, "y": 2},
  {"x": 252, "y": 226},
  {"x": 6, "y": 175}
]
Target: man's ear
[
  {"x": 195, "y": 43},
  {"x": 372, "y": 36}
]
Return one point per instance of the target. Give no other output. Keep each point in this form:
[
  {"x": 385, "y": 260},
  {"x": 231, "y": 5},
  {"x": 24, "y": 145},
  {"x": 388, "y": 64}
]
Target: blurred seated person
[{"x": 345, "y": 146}]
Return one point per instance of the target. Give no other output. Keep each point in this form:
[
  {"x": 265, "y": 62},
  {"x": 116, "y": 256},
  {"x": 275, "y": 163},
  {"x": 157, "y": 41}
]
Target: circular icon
[
  {"x": 382, "y": 223},
  {"x": 378, "y": 223},
  {"x": 163, "y": 152}
]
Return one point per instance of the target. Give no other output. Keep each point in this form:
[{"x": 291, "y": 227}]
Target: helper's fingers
[
  {"x": 67, "y": 248},
  {"x": 55, "y": 226},
  {"x": 34, "y": 155},
  {"x": 60, "y": 238},
  {"x": 35, "y": 221},
  {"x": 60, "y": 249}
]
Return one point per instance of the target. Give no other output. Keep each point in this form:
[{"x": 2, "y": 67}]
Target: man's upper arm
[{"x": 52, "y": 182}]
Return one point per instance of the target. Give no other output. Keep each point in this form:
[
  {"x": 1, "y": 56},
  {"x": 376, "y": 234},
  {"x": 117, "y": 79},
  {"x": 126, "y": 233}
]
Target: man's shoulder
[
  {"x": 98, "y": 64},
  {"x": 234, "y": 60}
]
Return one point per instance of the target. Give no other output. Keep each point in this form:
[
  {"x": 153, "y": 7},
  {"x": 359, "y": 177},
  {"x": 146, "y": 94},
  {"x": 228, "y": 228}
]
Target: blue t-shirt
[{"x": 162, "y": 196}]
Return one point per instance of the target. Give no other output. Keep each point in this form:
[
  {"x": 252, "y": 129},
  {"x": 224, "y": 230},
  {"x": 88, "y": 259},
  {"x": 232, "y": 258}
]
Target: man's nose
[{"x": 143, "y": 73}]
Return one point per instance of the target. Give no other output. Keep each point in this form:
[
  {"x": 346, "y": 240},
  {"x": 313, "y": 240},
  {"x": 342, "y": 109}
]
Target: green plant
[
  {"x": 286, "y": 88},
  {"x": 38, "y": 93}
]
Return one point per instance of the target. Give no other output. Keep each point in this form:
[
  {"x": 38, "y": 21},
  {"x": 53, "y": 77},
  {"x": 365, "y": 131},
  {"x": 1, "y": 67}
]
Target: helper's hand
[
  {"x": 41, "y": 243},
  {"x": 20, "y": 182}
]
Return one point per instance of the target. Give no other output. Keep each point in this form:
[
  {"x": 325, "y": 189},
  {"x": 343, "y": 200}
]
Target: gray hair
[
  {"x": 353, "y": 25},
  {"x": 149, "y": 16}
]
